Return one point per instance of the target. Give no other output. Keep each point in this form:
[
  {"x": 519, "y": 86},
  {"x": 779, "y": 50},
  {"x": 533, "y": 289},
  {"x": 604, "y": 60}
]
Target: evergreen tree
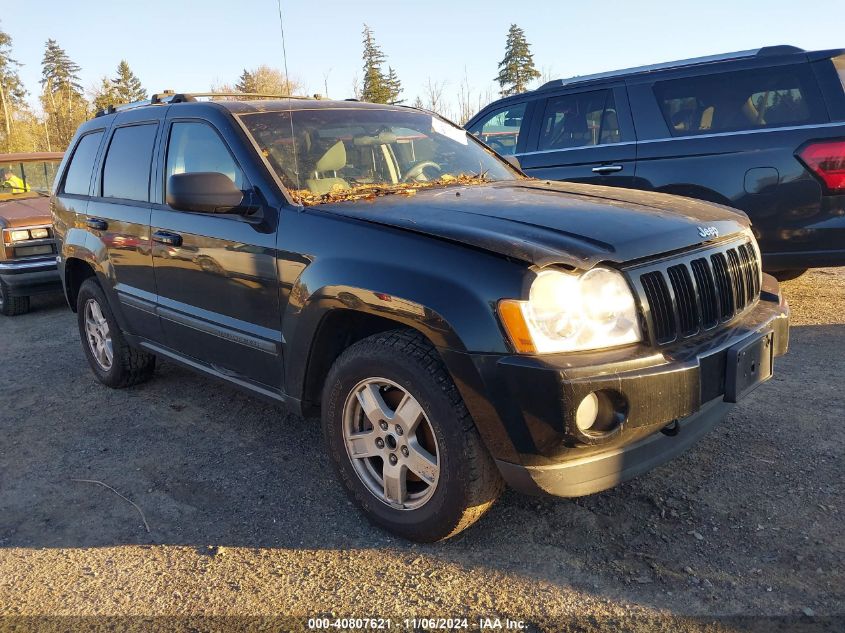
[
  {"x": 58, "y": 71},
  {"x": 12, "y": 93},
  {"x": 517, "y": 69},
  {"x": 104, "y": 95},
  {"x": 127, "y": 87},
  {"x": 375, "y": 88},
  {"x": 394, "y": 86},
  {"x": 266, "y": 80},
  {"x": 62, "y": 98},
  {"x": 246, "y": 82}
]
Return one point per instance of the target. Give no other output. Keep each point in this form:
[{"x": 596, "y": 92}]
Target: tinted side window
[
  {"x": 78, "y": 176},
  {"x": 839, "y": 65},
  {"x": 743, "y": 100},
  {"x": 578, "y": 120},
  {"x": 196, "y": 147},
  {"x": 126, "y": 173},
  {"x": 500, "y": 130}
]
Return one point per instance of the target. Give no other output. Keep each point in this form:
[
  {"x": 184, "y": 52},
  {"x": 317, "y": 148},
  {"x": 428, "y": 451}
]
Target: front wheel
[
  {"x": 113, "y": 361},
  {"x": 402, "y": 440},
  {"x": 12, "y": 306}
]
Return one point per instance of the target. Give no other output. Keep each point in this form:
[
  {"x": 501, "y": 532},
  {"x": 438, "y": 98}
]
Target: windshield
[
  {"x": 348, "y": 153},
  {"x": 26, "y": 178}
]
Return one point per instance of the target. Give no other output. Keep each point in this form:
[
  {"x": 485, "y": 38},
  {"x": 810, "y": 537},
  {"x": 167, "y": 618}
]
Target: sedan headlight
[
  {"x": 39, "y": 234},
  {"x": 566, "y": 312}
]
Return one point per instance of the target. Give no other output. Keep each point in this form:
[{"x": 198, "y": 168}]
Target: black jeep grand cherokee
[{"x": 454, "y": 323}]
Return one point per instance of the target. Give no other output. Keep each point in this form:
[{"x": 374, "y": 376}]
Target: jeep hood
[{"x": 546, "y": 223}]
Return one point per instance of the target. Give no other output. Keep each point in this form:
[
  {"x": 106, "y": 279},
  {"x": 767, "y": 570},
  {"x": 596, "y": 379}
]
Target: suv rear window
[
  {"x": 742, "y": 100},
  {"x": 126, "y": 174},
  {"x": 78, "y": 177}
]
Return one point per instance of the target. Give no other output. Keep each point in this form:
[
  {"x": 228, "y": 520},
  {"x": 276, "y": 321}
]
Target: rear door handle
[
  {"x": 165, "y": 237},
  {"x": 607, "y": 169},
  {"x": 97, "y": 224}
]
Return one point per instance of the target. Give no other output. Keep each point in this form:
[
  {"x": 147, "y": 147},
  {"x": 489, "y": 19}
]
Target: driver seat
[{"x": 333, "y": 160}]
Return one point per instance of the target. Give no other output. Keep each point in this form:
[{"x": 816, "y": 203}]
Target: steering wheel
[{"x": 418, "y": 170}]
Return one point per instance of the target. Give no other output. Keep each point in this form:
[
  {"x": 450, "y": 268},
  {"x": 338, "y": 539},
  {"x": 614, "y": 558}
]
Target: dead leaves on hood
[{"x": 368, "y": 192}]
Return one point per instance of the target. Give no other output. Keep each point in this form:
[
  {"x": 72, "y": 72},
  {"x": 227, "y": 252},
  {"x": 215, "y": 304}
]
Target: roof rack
[
  {"x": 756, "y": 52},
  {"x": 168, "y": 97}
]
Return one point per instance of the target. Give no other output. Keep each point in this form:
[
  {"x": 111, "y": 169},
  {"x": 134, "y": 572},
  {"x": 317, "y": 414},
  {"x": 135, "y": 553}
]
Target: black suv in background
[
  {"x": 762, "y": 131},
  {"x": 454, "y": 323}
]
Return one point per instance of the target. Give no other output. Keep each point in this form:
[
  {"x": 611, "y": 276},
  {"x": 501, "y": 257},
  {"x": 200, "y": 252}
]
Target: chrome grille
[{"x": 686, "y": 295}]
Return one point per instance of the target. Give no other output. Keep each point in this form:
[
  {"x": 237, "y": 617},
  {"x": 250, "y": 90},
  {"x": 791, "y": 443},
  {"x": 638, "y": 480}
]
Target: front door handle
[
  {"x": 97, "y": 224},
  {"x": 607, "y": 169},
  {"x": 165, "y": 237}
]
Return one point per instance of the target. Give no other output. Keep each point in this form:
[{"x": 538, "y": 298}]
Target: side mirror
[
  {"x": 514, "y": 161},
  {"x": 203, "y": 192}
]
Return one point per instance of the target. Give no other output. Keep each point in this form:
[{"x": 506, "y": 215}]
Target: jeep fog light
[
  {"x": 599, "y": 416},
  {"x": 587, "y": 412}
]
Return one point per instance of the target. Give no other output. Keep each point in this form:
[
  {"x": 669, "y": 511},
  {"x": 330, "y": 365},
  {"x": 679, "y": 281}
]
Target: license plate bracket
[{"x": 748, "y": 365}]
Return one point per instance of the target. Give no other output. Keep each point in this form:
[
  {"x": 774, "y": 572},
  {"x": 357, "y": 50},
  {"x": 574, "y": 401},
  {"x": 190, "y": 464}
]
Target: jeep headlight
[{"x": 567, "y": 312}]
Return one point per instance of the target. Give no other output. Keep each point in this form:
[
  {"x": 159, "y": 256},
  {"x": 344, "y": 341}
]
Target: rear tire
[
  {"x": 112, "y": 359},
  {"x": 12, "y": 306},
  {"x": 402, "y": 373},
  {"x": 789, "y": 275}
]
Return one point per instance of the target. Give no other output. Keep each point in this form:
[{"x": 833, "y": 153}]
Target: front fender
[
  {"x": 455, "y": 312},
  {"x": 451, "y": 313}
]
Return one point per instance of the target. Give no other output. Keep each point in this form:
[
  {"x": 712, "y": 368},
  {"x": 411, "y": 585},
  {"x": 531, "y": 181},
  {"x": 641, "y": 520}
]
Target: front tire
[
  {"x": 113, "y": 360},
  {"x": 12, "y": 306},
  {"x": 402, "y": 441}
]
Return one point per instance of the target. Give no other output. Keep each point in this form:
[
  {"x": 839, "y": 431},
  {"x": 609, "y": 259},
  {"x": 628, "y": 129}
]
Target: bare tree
[
  {"x": 465, "y": 101},
  {"x": 356, "y": 86},
  {"x": 434, "y": 95}
]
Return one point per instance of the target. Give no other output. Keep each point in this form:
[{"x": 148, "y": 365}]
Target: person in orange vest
[{"x": 10, "y": 181}]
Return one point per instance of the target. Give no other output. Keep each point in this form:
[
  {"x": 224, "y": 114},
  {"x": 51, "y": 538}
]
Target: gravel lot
[{"x": 245, "y": 517}]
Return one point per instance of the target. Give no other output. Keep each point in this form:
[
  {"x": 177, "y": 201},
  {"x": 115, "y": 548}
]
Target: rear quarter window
[
  {"x": 78, "y": 176},
  {"x": 741, "y": 100},
  {"x": 839, "y": 65}
]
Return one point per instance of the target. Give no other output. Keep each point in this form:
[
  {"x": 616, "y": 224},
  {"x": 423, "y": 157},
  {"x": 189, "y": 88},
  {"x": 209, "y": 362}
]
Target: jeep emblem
[{"x": 708, "y": 231}]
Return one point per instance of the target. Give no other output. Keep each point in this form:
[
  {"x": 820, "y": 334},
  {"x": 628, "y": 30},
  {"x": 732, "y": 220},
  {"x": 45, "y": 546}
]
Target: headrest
[{"x": 333, "y": 159}]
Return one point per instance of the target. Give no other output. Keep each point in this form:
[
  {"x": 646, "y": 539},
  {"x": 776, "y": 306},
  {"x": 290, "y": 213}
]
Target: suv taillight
[{"x": 826, "y": 159}]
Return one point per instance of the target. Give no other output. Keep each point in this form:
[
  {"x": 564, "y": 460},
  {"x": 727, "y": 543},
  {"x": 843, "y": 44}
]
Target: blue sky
[{"x": 189, "y": 45}]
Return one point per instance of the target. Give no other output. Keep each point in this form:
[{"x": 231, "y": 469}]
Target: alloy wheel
[
  {"x": 391, "y": 443},
  {"x": 98, "y": 335}
]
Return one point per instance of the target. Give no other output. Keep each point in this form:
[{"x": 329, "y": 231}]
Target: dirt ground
[{"x": 246, "y": 519}]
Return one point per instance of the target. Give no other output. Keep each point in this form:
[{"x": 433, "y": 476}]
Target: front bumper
[
  {"x": 27, "y": 277},
  {"x": 529, "y": 424}
]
